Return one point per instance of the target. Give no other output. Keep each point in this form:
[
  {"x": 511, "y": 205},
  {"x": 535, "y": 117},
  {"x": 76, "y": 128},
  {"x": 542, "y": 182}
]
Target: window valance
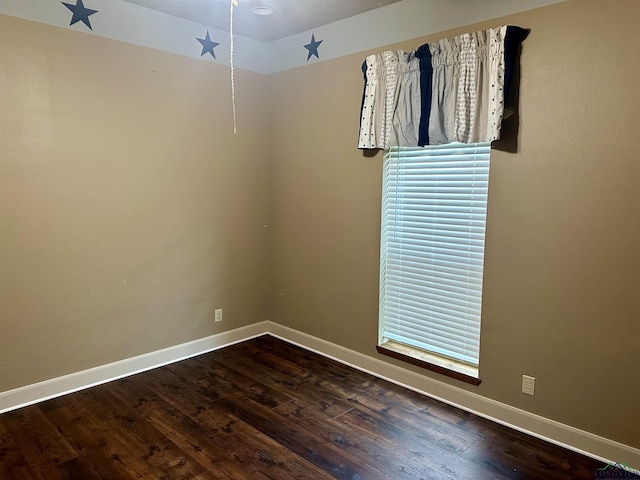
[{"x": 453, "y": 90}]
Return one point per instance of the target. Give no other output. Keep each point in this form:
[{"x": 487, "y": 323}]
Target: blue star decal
[
  {"x": 207, "y": 45},
  {"x": 80, "y": 13},
  {"x": 313, "y": 47}
]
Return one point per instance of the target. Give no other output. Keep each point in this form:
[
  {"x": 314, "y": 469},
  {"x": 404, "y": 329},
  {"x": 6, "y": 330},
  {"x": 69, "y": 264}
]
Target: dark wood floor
[{"x": 264, "y": 409}]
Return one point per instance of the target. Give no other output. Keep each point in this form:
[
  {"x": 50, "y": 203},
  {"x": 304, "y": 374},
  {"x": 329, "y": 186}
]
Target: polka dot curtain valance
[{"x": 453, "y": 90}]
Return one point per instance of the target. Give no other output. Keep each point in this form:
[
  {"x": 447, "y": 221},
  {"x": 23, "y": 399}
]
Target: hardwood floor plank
[
  {"x": 322, "y": 367},
  {"x": 269, "y": 376},
  {"x": 282, "y": 374},
  {"x": 170, "y": 384},
  {"x": 307, "y": 443},
  {"x": 219, "y": 372},
  {"x": 214, "y": 436},
  {"x": 373, "y": 450},
  {"x": 76, "y": 468},
  {"x": 516, "y": 460},
  {"x": 39, "y": 442},
  {"x": 204, "y": 384},
  {"x": 400, "y": 412},
  {"x": 134, "y": 446},
  {"x": 90, "y": 438},
  {"x": 316, "y": 380},
  {"x": 12, "y": 463},
  {"x": 404, "y": 415},
  {"x": 432, "y": 413},
  {"x": 266, "y": 409}
]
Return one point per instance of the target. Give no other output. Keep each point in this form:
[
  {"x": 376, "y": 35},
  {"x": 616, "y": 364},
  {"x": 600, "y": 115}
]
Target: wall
[
  {"x": 561, "y": 290},
  {"x": 128, "y": 209}
]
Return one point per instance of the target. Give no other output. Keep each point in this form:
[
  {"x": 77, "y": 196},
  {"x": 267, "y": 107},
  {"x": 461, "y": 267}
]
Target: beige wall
[
  {"x": 128, "y": 209},
  {"x": 562, "y": 289}
]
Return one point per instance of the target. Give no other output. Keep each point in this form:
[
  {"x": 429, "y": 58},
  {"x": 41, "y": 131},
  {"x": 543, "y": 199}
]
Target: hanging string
[{"x": 234, "y": 3}]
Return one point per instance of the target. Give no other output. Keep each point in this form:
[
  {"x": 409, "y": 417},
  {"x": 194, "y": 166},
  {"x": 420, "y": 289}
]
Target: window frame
[{"x": 457, "y": 364}]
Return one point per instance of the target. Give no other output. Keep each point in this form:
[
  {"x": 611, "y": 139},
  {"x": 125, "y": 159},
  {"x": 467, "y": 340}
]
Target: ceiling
[{"x": 288, "y": 18}]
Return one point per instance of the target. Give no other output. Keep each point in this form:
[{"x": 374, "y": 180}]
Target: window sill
[{"x": 432, "y": 362}]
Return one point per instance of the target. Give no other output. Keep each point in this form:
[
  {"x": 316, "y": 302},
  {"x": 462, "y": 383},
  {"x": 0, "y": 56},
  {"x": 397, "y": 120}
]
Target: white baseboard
[
  {"x": 554, "y": 432},
  {"x": 38, "y": 392}
]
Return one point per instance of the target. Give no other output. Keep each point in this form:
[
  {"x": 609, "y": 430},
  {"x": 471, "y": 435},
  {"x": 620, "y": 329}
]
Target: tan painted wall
[
  {"x": 128, "y": 209},
  {"x": 562, "y": 271}
]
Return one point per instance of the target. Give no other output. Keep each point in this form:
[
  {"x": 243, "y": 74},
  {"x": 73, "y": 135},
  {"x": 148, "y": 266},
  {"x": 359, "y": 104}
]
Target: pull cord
[{"x": 234, "y": 3}]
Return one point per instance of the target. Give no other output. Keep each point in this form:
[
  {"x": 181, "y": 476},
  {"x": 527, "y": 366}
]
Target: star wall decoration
[
  {"x": 313, "y": 47},
  {"x": 80, "y": 13},
  {"x": 207, "y": 45}
]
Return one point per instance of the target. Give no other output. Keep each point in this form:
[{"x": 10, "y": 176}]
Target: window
[{"x": 434, "y": 206}]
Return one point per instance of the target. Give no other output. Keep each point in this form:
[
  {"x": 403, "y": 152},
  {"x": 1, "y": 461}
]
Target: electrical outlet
[
  {"x": 528, "y": 385},
  {"x": 218, "y": 315}
]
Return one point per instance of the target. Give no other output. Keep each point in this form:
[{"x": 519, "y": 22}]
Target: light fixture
[{"x": 262, "y": 10}]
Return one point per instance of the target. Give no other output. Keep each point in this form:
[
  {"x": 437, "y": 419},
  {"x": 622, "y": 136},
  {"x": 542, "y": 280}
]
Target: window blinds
[{"x": 432, "y": 248}]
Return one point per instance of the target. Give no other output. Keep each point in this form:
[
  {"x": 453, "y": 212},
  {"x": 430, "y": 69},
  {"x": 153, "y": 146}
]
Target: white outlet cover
[{"x": 528, "y": 385}]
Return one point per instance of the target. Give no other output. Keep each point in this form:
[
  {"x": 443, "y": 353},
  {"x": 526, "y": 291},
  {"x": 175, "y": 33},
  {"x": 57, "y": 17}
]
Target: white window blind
[{"x": 432, "y": 248}]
